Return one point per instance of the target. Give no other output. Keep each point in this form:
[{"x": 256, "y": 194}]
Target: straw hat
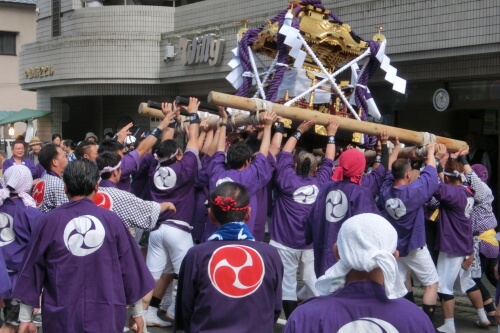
[{"x": 35, "y": 141}]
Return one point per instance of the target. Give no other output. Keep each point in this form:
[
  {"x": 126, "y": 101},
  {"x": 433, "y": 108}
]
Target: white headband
[
  {"x": 110, "y": 169},
  {"x": 456, "y": 174},
  {"x": 163, "y": 159}
]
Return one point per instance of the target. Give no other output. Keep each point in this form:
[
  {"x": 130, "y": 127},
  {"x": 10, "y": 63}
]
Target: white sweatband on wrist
[
  {"x": 25, "y": 313},
  {"x": 136, "y": 309}
]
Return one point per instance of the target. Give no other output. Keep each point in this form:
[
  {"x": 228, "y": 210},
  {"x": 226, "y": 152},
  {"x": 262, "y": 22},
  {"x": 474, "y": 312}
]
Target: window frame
[{"x": 12, "y": 34}]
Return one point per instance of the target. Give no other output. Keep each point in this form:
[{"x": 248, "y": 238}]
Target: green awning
[{"x": 10, "y": 117}]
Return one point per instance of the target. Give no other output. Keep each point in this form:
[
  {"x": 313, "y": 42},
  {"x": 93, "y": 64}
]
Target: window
[
  {"x": 56, "y": 18},
  {"x": 8, "y": 43}
]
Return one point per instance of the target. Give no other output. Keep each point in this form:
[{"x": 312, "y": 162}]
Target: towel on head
[
  {"x": 17, "y": 179},
  {"x": 365, "y": 242},
  {"x": 351, "y": 165}
]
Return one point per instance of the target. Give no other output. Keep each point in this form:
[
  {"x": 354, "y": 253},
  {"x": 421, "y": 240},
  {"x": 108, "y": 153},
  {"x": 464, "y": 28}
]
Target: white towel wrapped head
[{"x": 365, "y": 242}]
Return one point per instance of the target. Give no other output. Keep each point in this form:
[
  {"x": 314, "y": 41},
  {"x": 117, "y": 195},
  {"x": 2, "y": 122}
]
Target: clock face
[{"x": 441, "y": 100}]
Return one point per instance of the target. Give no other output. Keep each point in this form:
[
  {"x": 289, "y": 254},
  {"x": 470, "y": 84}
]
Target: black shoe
[{"x": 12, "y": 317}]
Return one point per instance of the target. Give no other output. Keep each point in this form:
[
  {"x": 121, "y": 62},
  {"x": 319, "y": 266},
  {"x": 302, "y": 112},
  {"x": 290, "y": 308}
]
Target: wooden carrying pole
[
  {"x": 236, "y": 121},
  {"x": 345, "y": 124}
]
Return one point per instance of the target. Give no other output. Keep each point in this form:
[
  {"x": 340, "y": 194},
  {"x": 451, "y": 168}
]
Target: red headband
[
  {"x": 227, "y": 204},
  {"x": 351, "y": 166}
]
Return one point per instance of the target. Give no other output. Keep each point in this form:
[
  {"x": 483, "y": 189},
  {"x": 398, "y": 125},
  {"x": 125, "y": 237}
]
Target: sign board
[{"x": 208, "y": 48}]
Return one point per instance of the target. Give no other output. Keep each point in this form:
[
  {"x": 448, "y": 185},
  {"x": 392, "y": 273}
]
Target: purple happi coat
[
  {"x": 404, "y": 208},
  {"x": 229, "y": 286},
  {"x": 130, "y": 165},
  {"x": 336, "y": 202},
  {"x": 88, "y": 266},
  {"x": 255, "y": 179},
  {"x": 19, "y": 223},
  {"x": 455, "y": 223},
  {"x": 175, "y": 183},
  {"x": 140, "y": 180},
  {"x": 361, "y": 306},
  {"x": 4, "y": 279},
  {"x": 201, "y": 195},
  {"x": 294, "y": 196}
]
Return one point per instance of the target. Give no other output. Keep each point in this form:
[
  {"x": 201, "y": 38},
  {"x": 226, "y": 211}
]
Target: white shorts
[
  {"x": 291, "y": 259},
  {"x": 452, "y": 276},
  {"x": 420, "y": 262},
  {"x": 166, "y": 250}
]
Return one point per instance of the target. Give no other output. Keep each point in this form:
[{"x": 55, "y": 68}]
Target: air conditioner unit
[{"x": 169, "y": 53}]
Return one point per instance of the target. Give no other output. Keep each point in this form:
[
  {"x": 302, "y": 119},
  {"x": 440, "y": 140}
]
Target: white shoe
[
  {"x": 445, "y": 329},
  {"x": 153, "y": 320}
]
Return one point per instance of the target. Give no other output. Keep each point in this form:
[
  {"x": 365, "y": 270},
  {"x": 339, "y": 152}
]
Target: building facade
[
  {"x": 92, "y": 66},
  {"x": 17, "y": 27}
]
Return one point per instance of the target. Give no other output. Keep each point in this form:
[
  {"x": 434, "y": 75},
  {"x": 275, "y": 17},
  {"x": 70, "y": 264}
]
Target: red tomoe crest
[
  {"x": 236, "y": 270},
  {"x": 39, "y": 192},
  {"x": 103, "y": 200}
]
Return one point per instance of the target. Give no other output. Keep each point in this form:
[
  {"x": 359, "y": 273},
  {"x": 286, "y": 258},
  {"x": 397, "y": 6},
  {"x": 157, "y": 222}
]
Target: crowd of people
[{"x": 94, "y": 236}]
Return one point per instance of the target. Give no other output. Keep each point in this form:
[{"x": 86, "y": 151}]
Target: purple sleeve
[
  {"x": 260, "y": 173},
  {"x": 374, "y": 179},
  {"x": 130, "y": 165},
  {"x": 216, "y": 165},
  {"x": 4, "y": 277},
  {"x": 144, "y": 165},
  {"x": 285, "y": 170},
  {"x": 203, "y": 178},
  {"x": 186, "y": 290},
  {"x": 278, "y": 289},
  {"x": 195, "y": 153},
  {"x": 446, "y": 194},
  {"x": 190, "y": 164},
  {"x": 137, "y": 280},
  {"x": 325, "y": 171},
  {"x": 388, "y": 181},
  {"x": 31, "y": 277},
  {"x": 425, "y": 185}
]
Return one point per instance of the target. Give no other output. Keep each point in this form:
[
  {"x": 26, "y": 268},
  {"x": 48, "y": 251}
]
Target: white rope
[
  {"x": 260, "y": 87},
  {"x": 270, "y": 70},
  {"x": 262, "y": 105},
  {"x": 330, "y": 77},
  {"x": 428, "y": 138},
  {"x": 248, "y": 74}
]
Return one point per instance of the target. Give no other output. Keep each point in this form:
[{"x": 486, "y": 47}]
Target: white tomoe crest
[
  {"x": 306, "y": 194},
  {"x": 7, "y": 234},
  {"x": 165, "y": 178},
  {"x": 84, "y": 235},
  {"x": 336, "y": 206},
  {"x": 395, "y": 208},
  {"x": 367, "y": 324}
]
